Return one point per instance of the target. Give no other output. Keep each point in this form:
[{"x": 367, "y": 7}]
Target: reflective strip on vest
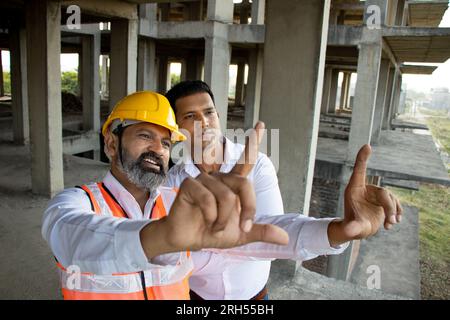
[{"x": 162, "y": 282}]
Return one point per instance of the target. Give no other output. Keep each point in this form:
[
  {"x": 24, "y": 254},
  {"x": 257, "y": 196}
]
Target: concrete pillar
[
  {"x": 123, "y": 65},
  {"x": 333, "y": 91},
  {"x": 258, "y": 11},
  {"x": 80, "y": 74},
  {"x": 2, "y": 86},
  {"x": 369, "y": 60},
  {"x": 90, "y": 81},
  {"x": 218, "y": 55},
  {"x": 334, "y": 17},
  {"x": 193, "y": 11},
  {"x": 292, "y": 89},
  {"x": 326, "y": 90},
  {"x": 387, "y": 102},
  {"x": 19, "y": 85},
  {"x": 104, "y": 84},
  {"x": 400, "y": 12},
  {"x": 163, "y": 74},
  {"x": 193, "y": 67},
  {"x": 345, "y": 90},
  {"x": 43, "y": 19},
  {"x": 146, "y": 74},
  {"x": 398, "y": 93},
  {"x": 217, "y": 63},
  {"x": 388, "y": 118},
  {"x": 244, "y": 11},
  {"x": 253, "y": 91},
  {"x": 381, "y": 96},
  {"x": 220, "y": 10},
  {"x": 165, "y": 11},
  {"x": 239, "y": 96}
]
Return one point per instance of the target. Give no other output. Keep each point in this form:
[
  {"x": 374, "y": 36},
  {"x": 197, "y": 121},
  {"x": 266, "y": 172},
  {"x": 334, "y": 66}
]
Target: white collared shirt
[
  {"x": 106, "y": 245},
  {"x": 231, "y": 274}
]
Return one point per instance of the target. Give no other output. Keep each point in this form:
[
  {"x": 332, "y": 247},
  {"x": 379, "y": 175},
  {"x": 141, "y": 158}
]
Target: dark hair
[{"x": 187, "y": 88}]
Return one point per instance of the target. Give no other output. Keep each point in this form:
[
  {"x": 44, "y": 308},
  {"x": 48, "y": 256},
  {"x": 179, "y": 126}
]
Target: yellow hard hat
[{"x": 145, "y": 106}]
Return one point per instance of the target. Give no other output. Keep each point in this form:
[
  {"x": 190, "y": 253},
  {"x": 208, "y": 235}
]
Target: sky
[{"x": 439, "y": 78}]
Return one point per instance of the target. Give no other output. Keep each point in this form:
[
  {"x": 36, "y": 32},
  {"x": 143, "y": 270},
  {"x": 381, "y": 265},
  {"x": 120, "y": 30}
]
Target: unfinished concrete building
[{"x": 294, "y": 50}]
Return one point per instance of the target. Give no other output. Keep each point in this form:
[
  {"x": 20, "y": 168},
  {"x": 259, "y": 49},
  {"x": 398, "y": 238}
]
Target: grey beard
[{"x": 141, "y": 177}]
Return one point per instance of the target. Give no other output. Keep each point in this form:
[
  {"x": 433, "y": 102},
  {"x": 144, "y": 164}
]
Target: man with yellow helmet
[
  {"x": 128, "y": 237},
  {"x": 109, "y": 238}
]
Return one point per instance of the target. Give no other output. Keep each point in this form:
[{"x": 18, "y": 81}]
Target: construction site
[{"x": 295, "y": 61}]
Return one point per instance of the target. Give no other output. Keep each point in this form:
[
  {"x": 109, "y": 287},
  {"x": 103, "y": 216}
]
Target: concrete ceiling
[
  {"x": 415, "y": 69},
  {"x": 431, "y": 48},
  {"x": 426, "y": 14}
]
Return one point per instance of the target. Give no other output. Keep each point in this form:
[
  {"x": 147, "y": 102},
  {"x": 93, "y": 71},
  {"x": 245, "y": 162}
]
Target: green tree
[
  {"x": 7, "y": 82},
  {"x": 174, "y": 79},
  {"x": 69, "y": 82}
]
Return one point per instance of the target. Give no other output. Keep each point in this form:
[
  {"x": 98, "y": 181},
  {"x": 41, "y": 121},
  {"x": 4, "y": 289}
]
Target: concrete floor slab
[
  {"x": 396, "y": 256},
  {"x": 27, "y": 267},
  {"x": 400, "y": 155}
]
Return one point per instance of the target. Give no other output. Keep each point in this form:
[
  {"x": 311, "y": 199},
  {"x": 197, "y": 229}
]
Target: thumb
[
  {"x": 358, "y": 178},
  {"x": 267, "y": 233}
]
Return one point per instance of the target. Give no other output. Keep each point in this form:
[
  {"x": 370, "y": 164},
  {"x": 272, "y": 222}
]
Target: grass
[
  {"x": 434, "y": 219},
  {"x": 440, "y": 129},
  {"x": 433, "y": 202}
]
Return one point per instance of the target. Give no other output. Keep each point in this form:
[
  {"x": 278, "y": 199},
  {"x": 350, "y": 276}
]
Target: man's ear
[{"x": 111, "y": 145}]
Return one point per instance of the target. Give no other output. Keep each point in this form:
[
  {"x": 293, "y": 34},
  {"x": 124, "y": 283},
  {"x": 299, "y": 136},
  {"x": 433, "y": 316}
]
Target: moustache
[{"x": 154, "y": 157}]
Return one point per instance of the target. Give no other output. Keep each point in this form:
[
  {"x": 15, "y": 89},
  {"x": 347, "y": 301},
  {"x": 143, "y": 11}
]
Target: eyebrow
[
  {"x": 209, "y": 108},
  {"x": 153, "y": 134}
]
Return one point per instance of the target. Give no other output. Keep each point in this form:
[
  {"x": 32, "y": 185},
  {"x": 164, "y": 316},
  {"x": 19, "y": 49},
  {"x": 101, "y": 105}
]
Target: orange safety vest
[{"x": 161, "y": 282}]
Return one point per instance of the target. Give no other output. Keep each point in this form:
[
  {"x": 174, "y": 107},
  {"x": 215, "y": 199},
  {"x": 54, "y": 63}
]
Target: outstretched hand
[
  {"x": 366, "y": 207},
  {"x": 217, "y": 210}
]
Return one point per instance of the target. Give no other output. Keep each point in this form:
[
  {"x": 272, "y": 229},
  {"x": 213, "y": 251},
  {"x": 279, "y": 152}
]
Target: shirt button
[{"x": 135, "y": 265}]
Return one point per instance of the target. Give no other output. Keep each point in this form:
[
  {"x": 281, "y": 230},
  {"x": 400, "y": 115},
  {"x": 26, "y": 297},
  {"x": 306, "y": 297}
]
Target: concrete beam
[
  {"x": 179, "y": 30},
  {"x": 83, "y": 142},
  {"x": 291, "y": 104},
  {"x": 414, "y": 32},
  {"x": 43, "y": 20},
  {"x": 107, "y": 8},
  {"x": 342, "y": 35},
  {"x": 19, "y": 86},
  {"x": 246, "y": 33},
  {"x": 123, "y": 65}
]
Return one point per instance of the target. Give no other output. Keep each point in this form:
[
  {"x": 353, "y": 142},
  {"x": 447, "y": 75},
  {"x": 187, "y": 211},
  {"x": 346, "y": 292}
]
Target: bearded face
[{"x": 147, "y": 172}]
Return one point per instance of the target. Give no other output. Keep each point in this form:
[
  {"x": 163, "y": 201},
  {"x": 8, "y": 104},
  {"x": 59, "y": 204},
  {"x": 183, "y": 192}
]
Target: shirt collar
[
  {"x": 232, "y": 153},
  {"x": 124, "y": 197}
]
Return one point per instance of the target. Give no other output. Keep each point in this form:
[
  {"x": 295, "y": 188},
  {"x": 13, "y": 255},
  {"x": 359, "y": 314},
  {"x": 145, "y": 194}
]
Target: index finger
[
  {"x": 249, "y": 156},
  {"x": 358, "y": 177}
]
